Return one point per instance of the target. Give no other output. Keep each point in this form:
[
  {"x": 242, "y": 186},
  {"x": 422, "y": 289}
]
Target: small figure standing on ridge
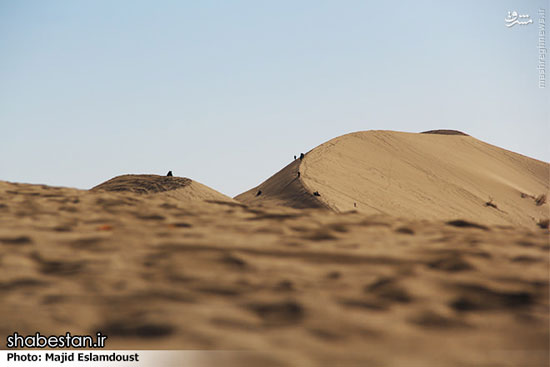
[
  {"x": 294, "y": 157},
  {"x": 298, "y": 173},
  {"x": 169, "y": 174},
  {"x": 302, "y": 155},
  {"x": 259, "y": 193}
]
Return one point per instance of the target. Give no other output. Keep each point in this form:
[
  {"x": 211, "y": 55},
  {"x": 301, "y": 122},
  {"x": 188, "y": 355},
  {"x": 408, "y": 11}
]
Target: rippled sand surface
[{"x": 303, "y": 287}]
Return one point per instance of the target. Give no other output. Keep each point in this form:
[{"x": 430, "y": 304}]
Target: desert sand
[
  {"x": 420, "y": 273},
  {"x": 441, "y": 175}
]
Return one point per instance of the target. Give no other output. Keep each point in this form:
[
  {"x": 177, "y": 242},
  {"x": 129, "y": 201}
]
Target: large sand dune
[{"x": 440, "y": 174}]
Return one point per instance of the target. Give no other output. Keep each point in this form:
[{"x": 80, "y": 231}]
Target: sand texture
[{"x": 420, "y": 273}]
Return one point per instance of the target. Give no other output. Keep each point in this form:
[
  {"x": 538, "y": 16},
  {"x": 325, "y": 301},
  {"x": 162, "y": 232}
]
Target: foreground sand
[{"x": 305, "y": 287}]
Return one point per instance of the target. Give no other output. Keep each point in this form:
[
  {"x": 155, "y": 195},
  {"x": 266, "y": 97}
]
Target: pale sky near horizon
[{"x": 226, "y": 92}]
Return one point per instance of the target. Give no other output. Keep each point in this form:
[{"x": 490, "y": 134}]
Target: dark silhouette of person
[
  {"x": 316, "y": 193},
  {"x": 298, "y": 173},
  {"x": 294, "y": 157},
  {"x": 169, "y": 174},
  {"x": 259, "y": 193},
  {"x": 302, "y": 155}
]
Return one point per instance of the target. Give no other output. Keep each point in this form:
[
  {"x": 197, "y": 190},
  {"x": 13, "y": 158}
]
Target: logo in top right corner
[{"x": 514, "y": 18}]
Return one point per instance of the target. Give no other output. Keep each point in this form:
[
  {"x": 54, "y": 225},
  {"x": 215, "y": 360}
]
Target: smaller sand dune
[
  {"x": 177, "y": 187},
  {"x": 143, "y": 184}
]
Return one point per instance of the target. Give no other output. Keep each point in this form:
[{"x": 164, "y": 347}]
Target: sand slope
[
  {"x": 306, "y": 287},
  {"x": 437, "y": 175},
  {"x": 283, "y": 188}
]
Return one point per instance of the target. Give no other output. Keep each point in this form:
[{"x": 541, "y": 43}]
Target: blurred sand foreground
[{"x": 416, "y": 270}]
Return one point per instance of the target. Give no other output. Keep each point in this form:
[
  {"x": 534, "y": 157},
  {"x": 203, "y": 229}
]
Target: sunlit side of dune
[{"x": 427, "y": 176}]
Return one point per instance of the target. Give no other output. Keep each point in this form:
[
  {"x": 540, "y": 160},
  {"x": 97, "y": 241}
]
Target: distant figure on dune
[
  {"x": 355, "y": 205},
  {"x": 294, "y": 157},
  {"x": 259, "y": 193},
  {"x": 169, "y": 174},
  {"x": 302, "y": 155},
  {"x": 298, "y": 173},
  {"x": 316, "y": 193}
]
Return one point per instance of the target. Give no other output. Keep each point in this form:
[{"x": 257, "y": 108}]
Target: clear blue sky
[{"x": 226, "y": 92}]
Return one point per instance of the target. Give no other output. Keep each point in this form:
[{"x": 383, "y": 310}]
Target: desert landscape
[{"x": 376, "y": 248}]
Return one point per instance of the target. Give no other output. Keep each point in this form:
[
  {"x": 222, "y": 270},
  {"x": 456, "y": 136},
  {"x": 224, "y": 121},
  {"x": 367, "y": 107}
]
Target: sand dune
[
  {"x": 440, "y": 174},
  {"x": 420, "y": 273},
  {"x": 177, "y": 187}
]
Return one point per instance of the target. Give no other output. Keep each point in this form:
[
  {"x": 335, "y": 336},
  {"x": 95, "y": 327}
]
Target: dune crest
[
  {"x": 445, "y": 132},
  {"x": 440, "y": 174}
]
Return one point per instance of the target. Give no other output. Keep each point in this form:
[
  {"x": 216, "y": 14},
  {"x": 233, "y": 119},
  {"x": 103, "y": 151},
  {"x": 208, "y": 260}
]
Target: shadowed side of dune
[{"x": 178, "y": 187}]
